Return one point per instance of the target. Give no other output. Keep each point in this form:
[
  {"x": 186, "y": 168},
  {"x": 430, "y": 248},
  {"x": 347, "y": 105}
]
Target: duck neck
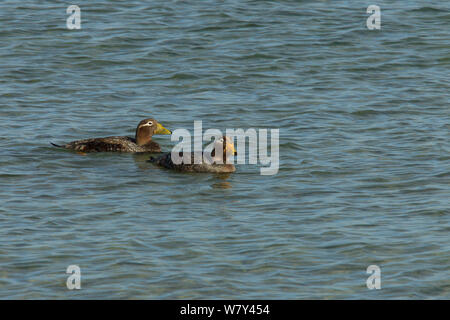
[
  {"x": 217, "y": 158},
  {"x": 143, "y": 136}
]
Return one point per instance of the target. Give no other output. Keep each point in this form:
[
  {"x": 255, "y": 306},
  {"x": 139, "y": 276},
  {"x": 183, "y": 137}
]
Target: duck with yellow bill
[
  {"x": 142, "y": 142},
  {"x": 215, "y": 163}
]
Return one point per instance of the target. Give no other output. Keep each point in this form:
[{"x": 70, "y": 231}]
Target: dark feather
[
  {"x": 166, "y": 161},
  {"x": 56, "y": 145},
  {"x": 111, "y": 144}
]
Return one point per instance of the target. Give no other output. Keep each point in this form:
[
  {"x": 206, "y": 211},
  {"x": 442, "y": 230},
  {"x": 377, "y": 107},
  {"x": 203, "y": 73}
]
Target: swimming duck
[
  {"x": 209, "y": 166},
  {"x": 142, "y": 142}
]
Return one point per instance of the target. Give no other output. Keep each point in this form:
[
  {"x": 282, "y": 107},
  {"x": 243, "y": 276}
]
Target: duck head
[
  {"x": 147, "y": 128},
  {"x": 226, "y": 144}
]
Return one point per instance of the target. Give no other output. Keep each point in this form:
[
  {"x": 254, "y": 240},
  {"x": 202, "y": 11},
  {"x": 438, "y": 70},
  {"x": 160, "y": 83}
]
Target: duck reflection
[
  {"x": 220, "y": 181},
  {"x": 141, "y": 161}
]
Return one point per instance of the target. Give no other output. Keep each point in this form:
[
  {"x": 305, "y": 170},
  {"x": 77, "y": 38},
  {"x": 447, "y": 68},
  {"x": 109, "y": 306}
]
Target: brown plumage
[
  {"x": 142, "y": 142},
  {"x": 228, "y": 148}
]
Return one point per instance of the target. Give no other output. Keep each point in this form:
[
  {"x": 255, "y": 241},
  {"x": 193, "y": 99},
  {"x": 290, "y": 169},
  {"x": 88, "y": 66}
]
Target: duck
[
  {"x": 142, "y": 142},
  {"x": 213, "y": 163}
]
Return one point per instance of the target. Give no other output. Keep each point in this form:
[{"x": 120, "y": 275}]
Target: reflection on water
[
  {"x": 224, "y": 184},
  {"x": 142, "y": 160}
]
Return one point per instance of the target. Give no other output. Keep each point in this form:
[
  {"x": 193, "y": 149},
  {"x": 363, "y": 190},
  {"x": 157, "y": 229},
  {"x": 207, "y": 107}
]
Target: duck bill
[
  {"x": 161, "y": 130},
  {"x": 231, "y": 149}
]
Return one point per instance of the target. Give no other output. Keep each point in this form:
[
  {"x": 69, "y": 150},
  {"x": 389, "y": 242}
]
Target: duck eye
[{"x": 150, "y": 123}]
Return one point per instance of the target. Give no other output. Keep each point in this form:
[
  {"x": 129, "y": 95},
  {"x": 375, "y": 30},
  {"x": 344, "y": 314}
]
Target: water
[{"x": 364, "y": 150}]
